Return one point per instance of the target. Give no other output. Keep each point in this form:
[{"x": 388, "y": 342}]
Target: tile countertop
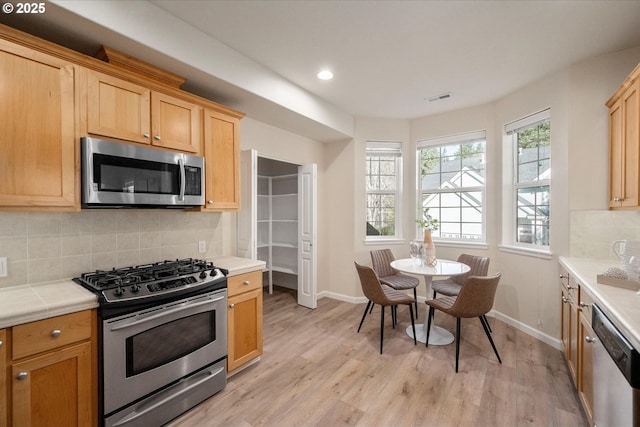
[
  {"x": 28, "y": 303},
  {"x": 237, "y": 265},
  {"x": 622, "y": 306}
]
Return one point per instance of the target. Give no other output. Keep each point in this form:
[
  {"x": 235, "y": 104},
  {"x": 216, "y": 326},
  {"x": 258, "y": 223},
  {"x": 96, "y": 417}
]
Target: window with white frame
[
  {"x": 383, "y": 187},
  {"x": 451, "y": 183},
  {"x": 530, "y": 140}
]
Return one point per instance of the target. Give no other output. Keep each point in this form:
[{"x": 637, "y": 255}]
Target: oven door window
[
  {"x": 168, "y": 342},
  {"x": 123, "y": 175}
]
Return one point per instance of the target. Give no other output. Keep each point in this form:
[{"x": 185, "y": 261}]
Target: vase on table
[
  {"x": 429, "y": 249},
  {"x": 416, "y": 251}
]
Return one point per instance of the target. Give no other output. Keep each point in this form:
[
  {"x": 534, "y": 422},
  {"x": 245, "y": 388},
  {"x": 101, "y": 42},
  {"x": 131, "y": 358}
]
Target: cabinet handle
[
  {"x": 584, "y": 304},
  {"x": 246, "y": 283},
  {"x": 618, "y": 199},
  {"x": 590, "y": 340},
  {"x": 210, "y": 202},
  {"x": 146, "y": 135},
  {"x": 231, "y": 305},
  {"x": 562, "y": 276},
  {"x": 157, "y": 137},
  {"x": 571, "y": 287},
  {"x": 56, "y": 333},
  {"x": 1, "y": 343},
  {"x": 22, "y": 375},
  {"x": 565, "y": 300}
]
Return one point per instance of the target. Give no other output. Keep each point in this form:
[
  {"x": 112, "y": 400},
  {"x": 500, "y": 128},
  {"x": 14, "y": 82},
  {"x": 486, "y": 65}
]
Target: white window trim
[
  {"x": 460, "y": 138},
  {"x": 394, "y": 148},
  {"x": 509, "y": 243}
]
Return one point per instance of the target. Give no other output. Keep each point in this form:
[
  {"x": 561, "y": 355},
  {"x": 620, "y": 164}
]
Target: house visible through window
[
  {"x": 383, "y": 187},
  {"x": 531, "y": 141},
  {"x": 451, "y": 183}
]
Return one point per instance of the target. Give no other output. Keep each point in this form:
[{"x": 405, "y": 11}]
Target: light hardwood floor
[{"x": 317, "y": 371}]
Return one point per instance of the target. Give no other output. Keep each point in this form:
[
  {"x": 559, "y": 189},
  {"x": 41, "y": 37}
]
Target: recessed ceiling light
[{"x": 325, "y": 75}]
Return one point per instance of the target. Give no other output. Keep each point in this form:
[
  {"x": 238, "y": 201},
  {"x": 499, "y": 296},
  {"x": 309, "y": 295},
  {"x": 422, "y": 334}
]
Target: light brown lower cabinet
[
  {"x": 585, "y": 380},
  {"x": 577, "y": 338},
  {"x": 3, "y": 378},
  {"x": 244, "y": 320},
  {"x": 52, "y": 372}
]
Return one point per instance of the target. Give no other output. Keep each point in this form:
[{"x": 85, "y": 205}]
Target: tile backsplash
[
  {"x": 43, "y": 247},
  {"x": 593, "y": 231}
]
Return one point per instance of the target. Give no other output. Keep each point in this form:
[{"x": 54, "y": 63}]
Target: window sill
[
  {"x": 391, "y": 241},
  {"x": 452, "y": 244},
  {"x": 518, "y": 250}
]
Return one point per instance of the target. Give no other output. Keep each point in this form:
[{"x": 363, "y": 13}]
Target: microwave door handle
[{"x": 183, "y": 177}]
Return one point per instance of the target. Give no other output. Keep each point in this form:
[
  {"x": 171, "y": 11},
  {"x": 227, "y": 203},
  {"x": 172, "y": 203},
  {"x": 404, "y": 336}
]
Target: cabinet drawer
[
  {"x": 47, "y": 334},
  {"x": 244, "y": 282}
]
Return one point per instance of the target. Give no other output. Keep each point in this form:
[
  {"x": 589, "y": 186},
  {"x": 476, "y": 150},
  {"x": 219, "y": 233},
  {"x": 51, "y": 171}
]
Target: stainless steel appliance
[
  {"x": 616, "y": 365},
  {"x": 117, "y": 175},
  {"x": 163, "y": 339}
]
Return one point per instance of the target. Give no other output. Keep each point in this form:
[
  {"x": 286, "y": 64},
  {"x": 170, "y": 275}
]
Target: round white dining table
[{"x": 438, "y": 335}]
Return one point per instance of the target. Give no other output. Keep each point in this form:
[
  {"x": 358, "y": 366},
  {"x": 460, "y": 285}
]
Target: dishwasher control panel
[{"x": 624, "y": 355}]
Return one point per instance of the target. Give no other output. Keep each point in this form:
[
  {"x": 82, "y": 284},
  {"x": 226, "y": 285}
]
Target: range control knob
[
  {"x": 119, "y": 291},
  {"x": 135, "y": 289},
  {"x": 203, "y": 274}
]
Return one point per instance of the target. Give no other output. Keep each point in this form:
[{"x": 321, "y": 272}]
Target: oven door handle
[
  {"x": 163, "y": 313},
  {"x": 135, "y": 415}
]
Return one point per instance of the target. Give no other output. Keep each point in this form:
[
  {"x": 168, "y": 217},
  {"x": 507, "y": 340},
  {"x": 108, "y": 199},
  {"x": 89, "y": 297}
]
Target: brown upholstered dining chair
[
  {"x": 451, "y": 286},
  {"x": 475, "y": 299},
  {"x": 381, "y": 261},
  {"x": 377, "y": 293}
]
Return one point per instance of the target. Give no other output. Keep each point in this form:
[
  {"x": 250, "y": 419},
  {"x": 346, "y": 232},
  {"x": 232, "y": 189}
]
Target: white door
[
  {"x": 307, "y": 226},
  {"x": 248, "y": 216}
]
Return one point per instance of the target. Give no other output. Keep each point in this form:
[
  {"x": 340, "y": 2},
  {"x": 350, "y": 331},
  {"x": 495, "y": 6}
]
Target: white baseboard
[{"x": 548, "y": 339}]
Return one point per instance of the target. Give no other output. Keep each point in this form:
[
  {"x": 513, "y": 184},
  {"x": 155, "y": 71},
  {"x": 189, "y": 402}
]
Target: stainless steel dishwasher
[{"x": 616, "y": 375}]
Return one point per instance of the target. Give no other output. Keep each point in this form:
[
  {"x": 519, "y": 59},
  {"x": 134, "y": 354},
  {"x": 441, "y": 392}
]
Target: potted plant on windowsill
[{"x": 428, "y": 224}]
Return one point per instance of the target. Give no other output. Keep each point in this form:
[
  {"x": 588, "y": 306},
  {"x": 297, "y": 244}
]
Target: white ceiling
[{"x": 387, "y": 56}]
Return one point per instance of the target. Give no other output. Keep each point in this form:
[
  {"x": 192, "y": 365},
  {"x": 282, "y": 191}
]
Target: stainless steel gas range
[{"x": 163, "y": 339}]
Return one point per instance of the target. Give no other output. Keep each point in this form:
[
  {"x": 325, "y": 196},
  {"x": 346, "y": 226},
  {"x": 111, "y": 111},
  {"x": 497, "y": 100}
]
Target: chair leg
[
  {"x": 486, "y": 331},
  {"x": 371, "y": 311},
  {"x": 415, "y": 297},
  {"x": 457, "y": 341},
  {"x": 365, "y": 314},
  {"x": 430, "y": 314},
  {"x": 484, "y": 316},
  {"x": 413, "y": 325},
  {"x": 394, "y": 313},
  {"x": 382, "y": 325}
]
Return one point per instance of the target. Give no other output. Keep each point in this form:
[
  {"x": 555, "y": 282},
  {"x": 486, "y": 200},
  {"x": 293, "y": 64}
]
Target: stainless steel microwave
[{"x": 115, "y": 174}]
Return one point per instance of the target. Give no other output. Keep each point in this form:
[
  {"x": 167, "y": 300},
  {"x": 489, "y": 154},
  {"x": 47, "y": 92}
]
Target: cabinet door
[
  {"x": 222, "y": 161},
  {"x": 118, "y": 109},
  {"x": 54, "y": 389},
  {"x": 3, "y": 378},
  {"x": 37, "y": 129},
  {"x": 585, "y": 382},
  {"x": 631, "y": 136},
  {"x": 175, "y": 123},
  {"x": 245, "y": 328}
]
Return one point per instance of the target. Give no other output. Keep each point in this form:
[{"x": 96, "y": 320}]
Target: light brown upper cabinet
[
  {"x": 120, "y": 109},
  {"x": 222, "y": 156},
  {"x": 37, "y": 133},
  {"x": 624, "y": 144}
]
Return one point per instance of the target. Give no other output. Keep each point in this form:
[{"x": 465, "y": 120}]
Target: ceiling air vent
[{"x": 439, "y": 97}]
